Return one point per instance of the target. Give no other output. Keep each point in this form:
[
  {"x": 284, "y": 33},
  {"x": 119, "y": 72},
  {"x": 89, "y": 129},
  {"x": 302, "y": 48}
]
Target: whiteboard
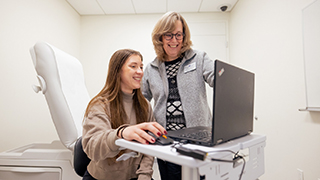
[{"x": 311, "y": 53}]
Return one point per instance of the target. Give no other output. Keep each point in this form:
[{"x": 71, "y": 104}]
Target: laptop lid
[
  {"x": 233, "y": 106},
  {"x": 233, "y": 102}
]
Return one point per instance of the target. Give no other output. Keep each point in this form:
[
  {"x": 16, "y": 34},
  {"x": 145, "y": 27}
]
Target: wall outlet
[{"x": 300, "y": 174}]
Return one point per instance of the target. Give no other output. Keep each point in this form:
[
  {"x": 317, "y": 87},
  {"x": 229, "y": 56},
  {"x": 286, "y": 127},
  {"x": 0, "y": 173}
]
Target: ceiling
[{"x": 108, "y": 7}]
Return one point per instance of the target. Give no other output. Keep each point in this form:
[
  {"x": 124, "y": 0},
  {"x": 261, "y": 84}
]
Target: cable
[
  {"x": 235, "y": 158},
  {"x": 244, "y": 165},
  {"x": 202, "y": 155}
]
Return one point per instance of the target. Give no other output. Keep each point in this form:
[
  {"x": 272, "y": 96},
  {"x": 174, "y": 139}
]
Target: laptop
[{"x": 233, "y": 106}]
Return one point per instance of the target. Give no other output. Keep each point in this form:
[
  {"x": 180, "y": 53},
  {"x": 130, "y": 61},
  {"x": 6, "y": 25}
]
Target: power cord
[
  {"x": 235, "y": 159},
  {"x": 202, "y": 155}
]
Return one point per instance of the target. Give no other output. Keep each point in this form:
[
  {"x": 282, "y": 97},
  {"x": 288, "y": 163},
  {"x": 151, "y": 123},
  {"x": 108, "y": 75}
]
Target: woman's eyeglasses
[{"x": 169, "y": 36}]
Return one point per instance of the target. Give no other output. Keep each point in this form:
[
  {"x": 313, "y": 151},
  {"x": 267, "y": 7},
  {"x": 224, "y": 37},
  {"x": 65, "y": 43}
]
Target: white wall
[
  {"x": 266, "y": 37},
  {"x": 101, "y": 36},
  {"x": 24, "y": 115}
]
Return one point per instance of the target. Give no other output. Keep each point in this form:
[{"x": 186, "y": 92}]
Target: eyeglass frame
[{"x": 173, "y": 35}]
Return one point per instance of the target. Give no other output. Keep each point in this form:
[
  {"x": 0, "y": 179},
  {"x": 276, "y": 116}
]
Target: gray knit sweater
[{"x": 196, "y": 69}]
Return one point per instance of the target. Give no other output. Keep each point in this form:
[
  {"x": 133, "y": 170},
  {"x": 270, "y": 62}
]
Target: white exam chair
[{"x": 62, "y": 82}]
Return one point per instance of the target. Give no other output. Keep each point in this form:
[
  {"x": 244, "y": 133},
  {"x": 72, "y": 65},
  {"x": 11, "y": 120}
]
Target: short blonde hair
[{"x": 167, "y": 24}]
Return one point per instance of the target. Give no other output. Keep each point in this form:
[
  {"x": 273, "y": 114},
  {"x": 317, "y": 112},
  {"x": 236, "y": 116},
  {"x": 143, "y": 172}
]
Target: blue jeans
[
  {"x": 87, "y": 176},
  {"x": 171, "y": 171}
]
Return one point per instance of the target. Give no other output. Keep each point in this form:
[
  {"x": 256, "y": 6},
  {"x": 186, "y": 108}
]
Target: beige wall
[
  {"x": 266, "y": 37},
  {"x": 24, "y": 115}
]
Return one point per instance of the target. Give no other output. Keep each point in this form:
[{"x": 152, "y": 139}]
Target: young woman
[
  {"x": 119, "y": 111},
  {"x": 176, "y": 81}
]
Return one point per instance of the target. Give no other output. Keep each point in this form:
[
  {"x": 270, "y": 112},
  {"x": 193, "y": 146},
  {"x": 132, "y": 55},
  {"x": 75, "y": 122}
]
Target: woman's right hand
[{"x": 138, "y": 132}]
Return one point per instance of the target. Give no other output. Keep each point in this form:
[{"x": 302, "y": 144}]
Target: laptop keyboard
[{"x": 202, "y": 135}]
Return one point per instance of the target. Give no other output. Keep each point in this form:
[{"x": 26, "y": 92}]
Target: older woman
[{"x": 176, "y": 81}]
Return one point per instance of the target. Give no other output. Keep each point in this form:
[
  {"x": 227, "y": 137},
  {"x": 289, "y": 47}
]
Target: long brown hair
[
  {"x": 167, "y": 24},
  {"x": 111, "y": 92}
]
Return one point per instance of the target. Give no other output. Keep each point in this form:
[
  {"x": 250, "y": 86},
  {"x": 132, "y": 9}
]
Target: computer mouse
[{"x": 161, "y": 140}]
